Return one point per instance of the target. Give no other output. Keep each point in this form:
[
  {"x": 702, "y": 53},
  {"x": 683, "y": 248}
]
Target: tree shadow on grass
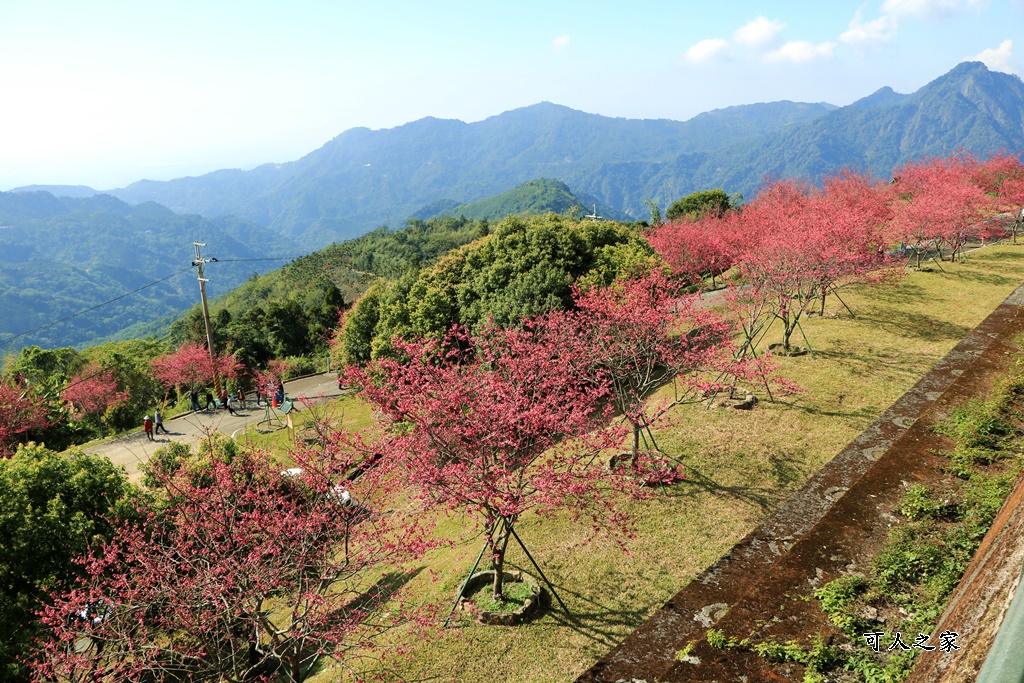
[
  {"x": 764, "y": 498},
  {"x": 917, "y": 325},
  {"x": 993, "y": 279},
  {"x": 903, "y": 293},
  {"x": 369, "y": 602},
  {"x": 603, "y": 625},
  {"x": 379, "y": 593},
  {"x": 862, "y": 413},
  {"x": 1011, "y": 255}
]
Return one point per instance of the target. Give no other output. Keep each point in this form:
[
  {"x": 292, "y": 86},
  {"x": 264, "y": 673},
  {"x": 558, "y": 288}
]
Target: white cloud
[
  {"x": 871, "y": 33},
  {"x": 561, "y": 43},
  {"x": 798, "y": 51},
  {"x": 999, "y": 58},
  {"x": 759, "y": 32},
  {"x": 707, "y": 50},
  {"x": 928, "y": 9}
]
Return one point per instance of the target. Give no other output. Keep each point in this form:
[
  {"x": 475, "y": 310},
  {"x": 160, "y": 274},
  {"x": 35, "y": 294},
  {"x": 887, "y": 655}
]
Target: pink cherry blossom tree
[
  {"x": 22, "y": 413},
  {"x": 938, "y": 204},
  {"x": 1001, "y": 177},
  {"x": 239, "y": 574},
  {"x": 804, "y": 244},
  {"x": 638, "y": 335},
  {"x": 190, "y": 367},
  {"x": 779, "y": 259},
  {"x": 848, "y": 230},
  {"x": 498, "y": 425},
  {"x": 92, "y": 391},
  {"x": 697, "y": 248}
]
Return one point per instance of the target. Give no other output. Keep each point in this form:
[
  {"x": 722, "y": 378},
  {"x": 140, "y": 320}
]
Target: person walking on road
[
  {"x": 158, "y": 422},
  {"x": 227, "y": 404},
  {"x": 194, "y": 397},
  {"x": 147, "y": 427}
]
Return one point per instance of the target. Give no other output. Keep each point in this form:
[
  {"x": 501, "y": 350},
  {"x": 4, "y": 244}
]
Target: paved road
[{"x": 134, "y": 449}]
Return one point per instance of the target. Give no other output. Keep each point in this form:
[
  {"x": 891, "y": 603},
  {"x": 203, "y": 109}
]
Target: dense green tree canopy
[
  {"x": 698, "y": 204},
  {"x": 523, "y": 267},
  {"x": 53, "y": 507}
]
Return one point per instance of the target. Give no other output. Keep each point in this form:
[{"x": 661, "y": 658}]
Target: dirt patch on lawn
[{"x": 834, "y": 526}]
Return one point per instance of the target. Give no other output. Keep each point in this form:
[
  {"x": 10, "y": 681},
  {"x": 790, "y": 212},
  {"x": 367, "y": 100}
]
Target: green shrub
[
  {"x": 919, "y": 504},
  {"x": 837, "y": 599},
  {"x": 976, "y": 423},
  {"x": 717, "y": 638},
  {"x": 165, "y": 460}
]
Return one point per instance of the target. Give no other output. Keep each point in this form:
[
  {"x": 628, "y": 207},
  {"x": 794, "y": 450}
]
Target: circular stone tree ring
[{"x": 532, "y": 605}]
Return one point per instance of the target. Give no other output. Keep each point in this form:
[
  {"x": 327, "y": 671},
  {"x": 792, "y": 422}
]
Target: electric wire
[
  {"x": 8, "y": 343},
  {"x": 239, "y": 260},
  {"x": 56, "y": 339},
  {"x": 93, "y": 308}
]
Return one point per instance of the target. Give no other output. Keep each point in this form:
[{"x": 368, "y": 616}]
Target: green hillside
[
  {"x": 523, "y": 267},
  {"x": 62, "y": 256},
  {"x": 289, "y": 311},
  {"x": 532, "y": 198}
]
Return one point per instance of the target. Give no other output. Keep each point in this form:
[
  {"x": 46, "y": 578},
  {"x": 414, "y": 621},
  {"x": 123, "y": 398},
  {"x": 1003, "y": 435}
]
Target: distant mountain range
[
  {"x": 970, "y": 109},
  {"x": 63, "y": 255},
  {"x": 364, "y": 178},
  {"x": 59, "y": 255},
  {"x": 361, "y": 178}
]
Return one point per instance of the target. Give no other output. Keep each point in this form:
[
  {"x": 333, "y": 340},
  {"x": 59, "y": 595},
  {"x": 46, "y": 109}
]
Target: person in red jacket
[{"x": 147, "y": 426}]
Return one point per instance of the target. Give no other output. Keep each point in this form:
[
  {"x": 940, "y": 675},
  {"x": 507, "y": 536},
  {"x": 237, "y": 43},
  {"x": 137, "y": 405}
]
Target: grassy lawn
[
  {"x": 740, "y": 466},
  {"x": 347, "y": 412}
]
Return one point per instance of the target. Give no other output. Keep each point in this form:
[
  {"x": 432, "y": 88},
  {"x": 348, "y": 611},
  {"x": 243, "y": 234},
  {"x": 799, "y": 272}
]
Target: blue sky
[{"x": 104, "y": 93}]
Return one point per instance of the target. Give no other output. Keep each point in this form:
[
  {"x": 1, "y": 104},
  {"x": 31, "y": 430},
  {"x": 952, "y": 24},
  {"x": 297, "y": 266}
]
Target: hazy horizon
[{"x": 113, "y": 92}]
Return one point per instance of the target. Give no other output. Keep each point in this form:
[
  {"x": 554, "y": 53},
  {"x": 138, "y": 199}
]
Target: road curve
[{"x": 133, "y": 449}]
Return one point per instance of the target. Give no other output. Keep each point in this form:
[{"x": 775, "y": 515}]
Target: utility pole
[{"x": 198, "y": 263}]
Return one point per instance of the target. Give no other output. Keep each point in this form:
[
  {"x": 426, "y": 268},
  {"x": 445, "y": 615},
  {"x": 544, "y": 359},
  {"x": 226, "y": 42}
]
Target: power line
[
  {"x": 239, "y": 260},
  {"x": 93, "y": 308},
  {"x": 79, "y": 329},
  {"x": 83, "y": 379},
  {"x": 9, "y": 342}
]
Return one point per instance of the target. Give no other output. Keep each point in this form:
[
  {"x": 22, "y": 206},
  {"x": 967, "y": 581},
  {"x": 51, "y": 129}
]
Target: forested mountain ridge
[
  {"x": 531, "y": 198},
  {"x": 970, "y": 109},
  {"x": 61, "y": 256},
  {"x": 362, "y": 177},
  {"x": 342, "y": 271}
]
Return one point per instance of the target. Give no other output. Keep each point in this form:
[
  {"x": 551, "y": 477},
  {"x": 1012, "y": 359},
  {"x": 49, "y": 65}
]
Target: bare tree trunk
[
  {"x": 636, "y": 441},
  {"x": 787, "y": 331},
  {"x": 498, "y": 562}
]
